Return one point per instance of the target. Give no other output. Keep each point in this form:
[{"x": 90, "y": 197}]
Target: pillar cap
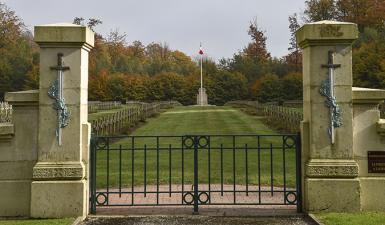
[
  {"x": 326, "y": 32},
  {"x": 64, "y": 35},
  {"x": 368, "y": 95},
  {"x": 30, "y": 97}
]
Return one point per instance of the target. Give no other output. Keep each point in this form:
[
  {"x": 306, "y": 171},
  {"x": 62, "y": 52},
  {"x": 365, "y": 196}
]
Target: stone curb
[
  {"x": 314, "y": 219},
  {"x": 195, "y": 216},
  {"x": 78, "y": 221}
]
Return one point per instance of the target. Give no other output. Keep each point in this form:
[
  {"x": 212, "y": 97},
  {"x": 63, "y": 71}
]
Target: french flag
[{"x": 200, "y": 50}]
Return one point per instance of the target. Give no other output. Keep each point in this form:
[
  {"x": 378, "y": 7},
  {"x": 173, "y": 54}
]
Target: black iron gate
[{"x": 195, "y": 170}]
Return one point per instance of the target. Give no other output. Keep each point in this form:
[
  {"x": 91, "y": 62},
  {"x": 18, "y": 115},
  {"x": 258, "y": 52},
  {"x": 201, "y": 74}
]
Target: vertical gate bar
[
  {"x": 182, "y": 169},
  {"x": 145, "y": 170},
  {"x": 157, "y": 170},
  {"x": 234, "y": 179},
  {"x": 93, "y": 175},
  {"x": 221, "y": 169},
  {"x": 247, "y": 170},
  {"x": 259, "y": 169},
  {"x": 169, "y": 172},
  {"x": 284, "y": 168},
  {"x": 271, "y": 170},
  {"x": 298, "y": 172},
  {"x": 120, "y": 171},
  {"x": 196, "y": 175},
  {"x": 132, "y": 169},
  {"x": 209, "y": 163},
  {"x": 108, "y": 169}
]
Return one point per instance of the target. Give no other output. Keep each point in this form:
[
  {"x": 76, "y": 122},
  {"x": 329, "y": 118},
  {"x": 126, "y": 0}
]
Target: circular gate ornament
[
  {"x": 205, "y": 201},
  {"x": 188, "y": 142},
  {"x": 289, "y": 142},
  {"x": 203, "y": 141},
  {"x": 101, "y": 199},
  {"x": 291, "y": 197},
  {"x": 101, "y": 143},
  {"x": 187, "y": 201}
]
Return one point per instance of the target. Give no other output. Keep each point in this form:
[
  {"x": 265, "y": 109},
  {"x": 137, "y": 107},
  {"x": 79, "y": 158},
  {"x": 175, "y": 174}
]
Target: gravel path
[
  {"x": 276, "y": 196},
  {"x": 198, "y": 220}
]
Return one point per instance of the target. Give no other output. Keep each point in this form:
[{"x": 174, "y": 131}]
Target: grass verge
[
  {"x": 66, "y": 221},
  {"x": 364, "y": 218}
]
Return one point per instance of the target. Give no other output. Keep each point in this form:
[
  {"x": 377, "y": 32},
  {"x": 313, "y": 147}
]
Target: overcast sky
[{"x": 221, "y": 25}]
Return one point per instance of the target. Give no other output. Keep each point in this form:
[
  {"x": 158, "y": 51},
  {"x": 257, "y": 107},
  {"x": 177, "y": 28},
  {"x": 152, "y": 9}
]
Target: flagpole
[{"x": 201, "y": 92}]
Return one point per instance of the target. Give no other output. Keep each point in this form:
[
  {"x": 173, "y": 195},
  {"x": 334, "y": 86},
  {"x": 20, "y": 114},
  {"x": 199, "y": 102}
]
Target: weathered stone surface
[
  {"x": 18, "y": 154},
  {"x": 59, "y": 199},
  {"x": 15, "y": 198},
  {"x": 381, "y": 127},
  {"x": 58, "y": 171},
  {"x": 332, "y": 168},
  {"x": 368, "y": 95},
  {"x": 16, "y": 170},
  {"x": 372, "y": 194},
  {"x": 22, "y": 97},
  {"x": 332, "y": 195},
  {"x": 63, "y": 34},
  {"x": 7, "y": 130},
  {"x": 367, "y": 127},
  {"x": 327, "y": 33}
]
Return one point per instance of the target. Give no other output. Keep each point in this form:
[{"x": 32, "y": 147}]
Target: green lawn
[
  {"x": 197, "y": 121},
  {"x": 38, "y": 222},
  {"x": 352, "y": 218}
]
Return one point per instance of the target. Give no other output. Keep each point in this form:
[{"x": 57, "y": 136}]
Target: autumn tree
[
  {"x": 294, "y": 58},
  {"x": 291, "y": 86},
  {"x": 16, "y": 51},
  {"x": 369, "y": 15},
  {"x": 369, "y": 65},
  {"x": 257, "y": 48},
  {"x": 269, "y": 89},
  {"x": 365, "y": 13},
  {"x": 91, "y": 23},
  {"x": 317, "y": 10}
]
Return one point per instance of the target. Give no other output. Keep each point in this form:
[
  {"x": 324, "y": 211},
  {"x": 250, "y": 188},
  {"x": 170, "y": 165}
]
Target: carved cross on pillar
[
  {"x": 327, "y": 90},
  {"x": 56, "y": 93}
]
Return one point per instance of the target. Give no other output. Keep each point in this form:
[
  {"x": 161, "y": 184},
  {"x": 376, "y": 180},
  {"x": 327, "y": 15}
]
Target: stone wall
[
  {"x": 368, "y": 135},
  {"x": 18, "y": 153}
]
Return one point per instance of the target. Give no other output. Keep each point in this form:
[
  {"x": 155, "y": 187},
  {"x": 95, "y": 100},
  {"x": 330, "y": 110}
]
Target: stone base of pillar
[
  {"x": 202, "y": 97},
  {"x": 331, "y": 185},
  {"x": 59, "y": 199},
  {"x": 332, "y": 195}
]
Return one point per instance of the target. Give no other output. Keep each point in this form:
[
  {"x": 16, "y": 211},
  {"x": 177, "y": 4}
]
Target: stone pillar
[
  {"x": 330, "y": 173},
  {"x": 60, "y": 181}
]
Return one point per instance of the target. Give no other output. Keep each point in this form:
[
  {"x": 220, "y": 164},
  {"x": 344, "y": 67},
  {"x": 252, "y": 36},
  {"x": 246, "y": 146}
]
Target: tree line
[
  {"x": 154, "y": 72},
  {"x": 369, "y": 49}
]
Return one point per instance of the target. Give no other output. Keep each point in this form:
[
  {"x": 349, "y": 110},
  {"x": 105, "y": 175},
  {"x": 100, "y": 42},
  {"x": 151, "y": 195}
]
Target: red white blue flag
[{"x": 201, "y": 50}]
